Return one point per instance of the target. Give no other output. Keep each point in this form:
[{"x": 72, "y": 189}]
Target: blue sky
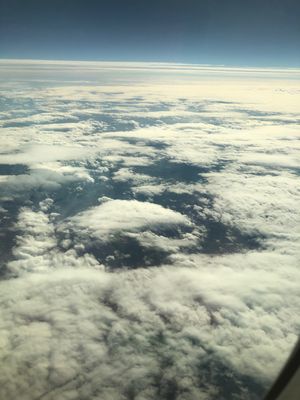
[{"x": 253, "y": 33}]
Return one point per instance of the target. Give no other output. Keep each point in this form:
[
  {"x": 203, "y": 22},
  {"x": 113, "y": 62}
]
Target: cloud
[
  {"x": 127, "y": 175},
  {"x": 125, "y": 216},
  {"x": 214, "y": 315},
  {"x": 36, "y": 244},
  {"x": 34, "y": 154},
  {"x": 148, "y": 332},
  {"x": 51, "y": 176},
  {"x": 264, "y": 204},
  {"x": 271, "y": 160}
]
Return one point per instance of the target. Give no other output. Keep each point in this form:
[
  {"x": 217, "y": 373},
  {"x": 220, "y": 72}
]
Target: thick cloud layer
[{"x": 149, "y": 234}]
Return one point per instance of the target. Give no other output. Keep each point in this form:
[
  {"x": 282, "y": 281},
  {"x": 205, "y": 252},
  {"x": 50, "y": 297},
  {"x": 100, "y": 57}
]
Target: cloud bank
[{"x": 149, "y": 232}]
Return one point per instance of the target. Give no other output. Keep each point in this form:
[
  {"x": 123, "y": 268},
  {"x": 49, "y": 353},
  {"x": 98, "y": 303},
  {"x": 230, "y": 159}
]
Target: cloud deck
[{"x": 150, "y": 231}]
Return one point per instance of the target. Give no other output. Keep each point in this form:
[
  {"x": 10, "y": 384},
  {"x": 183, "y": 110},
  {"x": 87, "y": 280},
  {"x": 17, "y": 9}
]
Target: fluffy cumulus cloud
[
  {"x": 149, "y": 232},
  {"x": 127, "y": 216}
]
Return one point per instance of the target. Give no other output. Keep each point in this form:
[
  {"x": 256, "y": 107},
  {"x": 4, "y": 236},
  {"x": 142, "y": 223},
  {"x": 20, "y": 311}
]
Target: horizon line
[{"x": 136, "y": 64}]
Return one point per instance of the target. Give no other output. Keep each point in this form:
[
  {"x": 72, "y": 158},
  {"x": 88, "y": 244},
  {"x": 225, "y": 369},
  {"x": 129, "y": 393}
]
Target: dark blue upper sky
[{"x": 230, "y": 32}]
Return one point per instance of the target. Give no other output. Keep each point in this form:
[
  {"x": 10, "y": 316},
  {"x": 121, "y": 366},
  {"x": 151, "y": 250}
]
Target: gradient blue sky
[{"x": 243, "y": 33}]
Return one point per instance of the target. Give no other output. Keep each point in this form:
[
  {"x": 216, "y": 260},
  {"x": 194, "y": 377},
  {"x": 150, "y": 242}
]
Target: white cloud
[
  {"x": 127, "y": 175},
  {"x": 69, "y": 327},
  {"x": 271, "y": 160},
  {"x": 125, "y": 330},
  {"x": 36, "y": 244},
  {"x": 152, "y": 240},
  {"x": 123, "y": 216},
  {"x": 265, "y": 204},
  {"x": 50, "y": 176},
  {"x": 149, "y": 190},
  {"x": 34, "y": 154}
]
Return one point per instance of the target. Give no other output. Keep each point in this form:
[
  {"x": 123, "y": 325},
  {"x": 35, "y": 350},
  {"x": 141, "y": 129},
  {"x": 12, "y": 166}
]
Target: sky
[{"x": 242, "y": 33}]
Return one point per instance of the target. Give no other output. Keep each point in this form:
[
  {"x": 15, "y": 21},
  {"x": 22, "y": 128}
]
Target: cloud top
[{"x": 127, "y": 216}]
